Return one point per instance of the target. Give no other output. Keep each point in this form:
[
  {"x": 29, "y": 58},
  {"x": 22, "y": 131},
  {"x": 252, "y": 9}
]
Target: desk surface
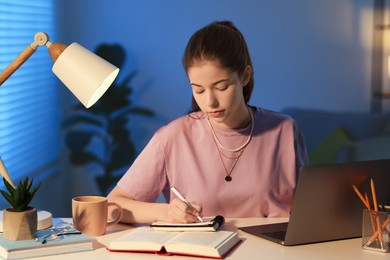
[{"x": 252, "y": 247}]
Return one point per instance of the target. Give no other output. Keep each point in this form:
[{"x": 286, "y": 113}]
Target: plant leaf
[
  {"x": 18, "y": 197},
  {"x": 122, "y": 156},
  {"x": 81, "y": 119},
  {"x": 22, "y": 195},
  {"x": 8, "y": 197},
  {"x": 118, "y": 123},
  {"x": 9, "y": 187},
  {"x": 78, "y": 139},
  {"x": 84, "y": 157},
  {"x": 27, "y": 185},
  {"x": 119, "y": 135},
  {"x": 142, "y": 111}
]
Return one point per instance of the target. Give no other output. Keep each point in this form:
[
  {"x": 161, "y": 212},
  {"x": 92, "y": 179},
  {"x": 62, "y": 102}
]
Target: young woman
[{"x": 226, "y": 157}]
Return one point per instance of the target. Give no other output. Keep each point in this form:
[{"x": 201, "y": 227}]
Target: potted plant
[
  {"x": 20, "y": 221},
  {"x": 106, "y": 125}
]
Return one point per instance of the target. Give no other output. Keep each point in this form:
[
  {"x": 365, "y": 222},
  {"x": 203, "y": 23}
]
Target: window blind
[{"x": 29, "y": 123}]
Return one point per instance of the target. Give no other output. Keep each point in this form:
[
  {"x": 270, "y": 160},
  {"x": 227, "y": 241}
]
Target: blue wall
[{"x": 306, "y": 53}]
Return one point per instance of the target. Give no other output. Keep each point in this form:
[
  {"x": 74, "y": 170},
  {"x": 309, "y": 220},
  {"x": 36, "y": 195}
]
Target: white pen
[{"x": 181, "y": 197}]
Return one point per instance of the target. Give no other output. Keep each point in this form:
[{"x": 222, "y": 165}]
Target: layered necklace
[{"x": 238, "y": 150}]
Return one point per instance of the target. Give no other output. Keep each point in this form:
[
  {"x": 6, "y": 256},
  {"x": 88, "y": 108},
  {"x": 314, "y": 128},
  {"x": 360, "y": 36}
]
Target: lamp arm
[
  {"x": 15, "y": 64},
  {"x": 40, "y": 39},
  {"x": 5, "y": 174}
]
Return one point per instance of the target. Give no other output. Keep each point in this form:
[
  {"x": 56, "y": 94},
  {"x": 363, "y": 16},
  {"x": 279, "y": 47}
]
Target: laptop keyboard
[{"x": 280, "y": 235}]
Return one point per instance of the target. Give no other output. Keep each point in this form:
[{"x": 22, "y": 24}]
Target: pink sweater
[{"x": 183, "y": 154}]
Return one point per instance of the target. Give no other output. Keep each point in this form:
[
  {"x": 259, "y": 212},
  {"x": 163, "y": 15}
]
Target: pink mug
[{"x": 90, "y": 214}]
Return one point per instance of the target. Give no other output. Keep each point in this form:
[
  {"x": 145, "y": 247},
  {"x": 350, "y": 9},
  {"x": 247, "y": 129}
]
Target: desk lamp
[{"x": 85, "y": 74}]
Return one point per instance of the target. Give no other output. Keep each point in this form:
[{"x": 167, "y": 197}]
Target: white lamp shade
[{"x": 85, "y": 74}]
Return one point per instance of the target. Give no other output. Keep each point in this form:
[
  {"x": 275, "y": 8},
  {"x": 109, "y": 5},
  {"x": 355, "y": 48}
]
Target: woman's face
[{"x": 218, "y": 93}]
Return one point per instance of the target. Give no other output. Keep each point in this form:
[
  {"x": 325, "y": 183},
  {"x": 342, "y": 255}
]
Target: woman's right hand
[
  {"x": 135, "y": 211},
  {"x": 180, "y": 212}
]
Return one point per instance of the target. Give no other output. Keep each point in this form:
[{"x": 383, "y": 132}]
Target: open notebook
[
  {"x": 208, "y": 224},
  {"x": 325, "y": 205}
]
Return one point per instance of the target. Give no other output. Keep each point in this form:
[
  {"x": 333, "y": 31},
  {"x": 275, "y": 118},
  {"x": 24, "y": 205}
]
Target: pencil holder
[{"x": 376, "y": 231}]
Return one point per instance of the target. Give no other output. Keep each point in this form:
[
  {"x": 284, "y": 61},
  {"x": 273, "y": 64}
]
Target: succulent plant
[{"x": 20, "y": 196}]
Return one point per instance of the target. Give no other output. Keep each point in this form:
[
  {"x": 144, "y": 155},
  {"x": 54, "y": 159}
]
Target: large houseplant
[
  {"x": 20, "y": 221},
  {"x": 105, "y": 124}
]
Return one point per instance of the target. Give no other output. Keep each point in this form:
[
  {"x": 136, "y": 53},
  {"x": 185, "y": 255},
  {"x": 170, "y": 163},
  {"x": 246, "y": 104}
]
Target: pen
[{"x": 181, "y": 197}]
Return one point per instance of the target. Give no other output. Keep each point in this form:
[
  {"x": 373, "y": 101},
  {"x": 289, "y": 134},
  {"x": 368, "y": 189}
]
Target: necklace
[
  {"x": 243, "y": 145},
  {"x": 228, "y": 178},
  {"x": 240, "y": 150}
]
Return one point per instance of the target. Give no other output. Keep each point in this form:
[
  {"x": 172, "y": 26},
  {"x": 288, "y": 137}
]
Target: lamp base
[{"x": 45, "y": 220}]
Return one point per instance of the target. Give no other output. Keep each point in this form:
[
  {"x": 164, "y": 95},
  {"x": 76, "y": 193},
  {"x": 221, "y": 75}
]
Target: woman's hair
[{"x": 220, "y": 41}]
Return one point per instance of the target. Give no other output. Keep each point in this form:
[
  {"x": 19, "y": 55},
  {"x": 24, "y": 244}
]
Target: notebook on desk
[{"x": 325, "y": 206}]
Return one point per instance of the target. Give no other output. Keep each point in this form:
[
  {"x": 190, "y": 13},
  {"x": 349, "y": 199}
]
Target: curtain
[{"x": 29, "y": 120}]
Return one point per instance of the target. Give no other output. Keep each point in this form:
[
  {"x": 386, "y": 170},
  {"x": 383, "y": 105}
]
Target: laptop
[{"x": 325, "y": 206}]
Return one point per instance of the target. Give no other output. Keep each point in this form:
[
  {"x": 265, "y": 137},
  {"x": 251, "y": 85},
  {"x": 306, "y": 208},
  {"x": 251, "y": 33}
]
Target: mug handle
[{"x": 118, "y": 217}]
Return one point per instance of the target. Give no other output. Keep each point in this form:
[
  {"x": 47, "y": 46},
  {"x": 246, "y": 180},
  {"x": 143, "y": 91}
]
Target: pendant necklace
[
  {"x": 240, "y": 150},
  {"x": 228, "y": 178}
]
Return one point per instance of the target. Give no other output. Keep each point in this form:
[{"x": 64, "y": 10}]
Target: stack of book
[{"x": 22, "y": 249}]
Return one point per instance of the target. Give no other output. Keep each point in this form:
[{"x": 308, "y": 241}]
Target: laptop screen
[{"x": 325, "y": 205}]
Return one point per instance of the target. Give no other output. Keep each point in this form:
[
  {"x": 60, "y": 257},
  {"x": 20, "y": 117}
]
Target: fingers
[
  {"x": 184, "y": 213},
  {"x": 198, "y": 212}
]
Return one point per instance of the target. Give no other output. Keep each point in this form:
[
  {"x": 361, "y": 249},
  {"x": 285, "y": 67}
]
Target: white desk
[{"x": 251, "y": 248}]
